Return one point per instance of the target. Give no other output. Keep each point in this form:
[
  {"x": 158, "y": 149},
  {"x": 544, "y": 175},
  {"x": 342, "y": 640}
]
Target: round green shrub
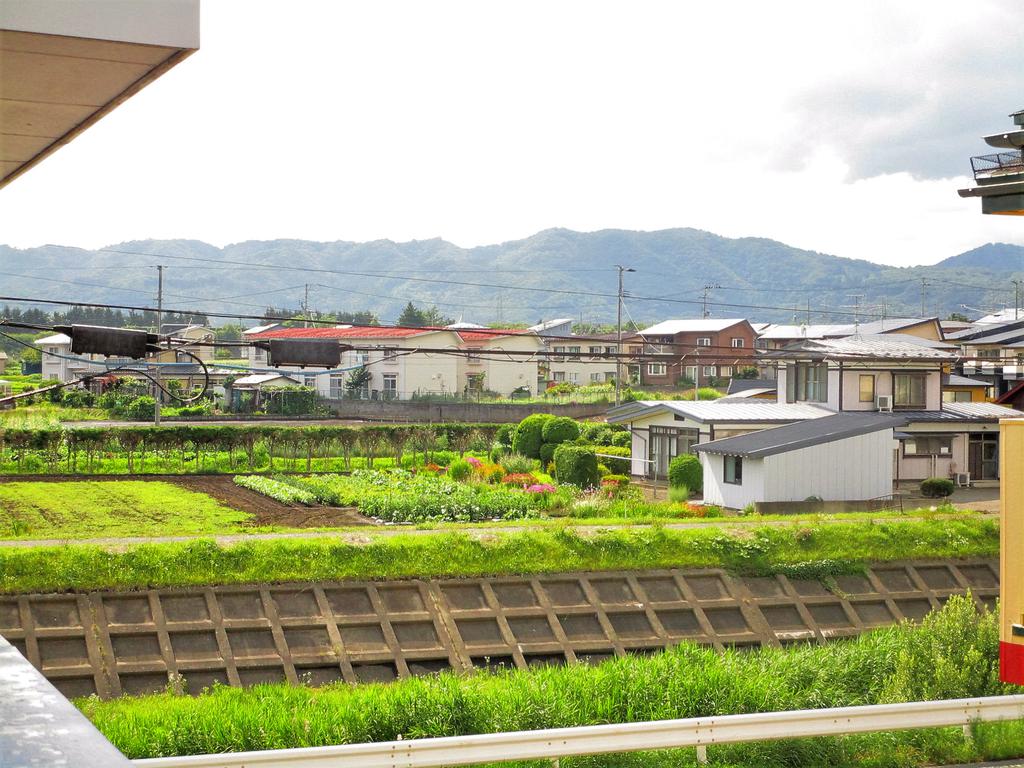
[
  {"x": 547, "y": 452},
  {"x": 622, "y": 439},
  {"x": 576, "y": 465},
  {"x": 504, "y": 435},
  {"x": 560, "y": 429},
  {"x": 515, "y": 464},
  {"x": 459, "y": 469},
  {"x": 528, "y": 437},
  {"x": 936, "y": 487},
  {"x": 686, "y": 471},
  {"x": 617, "y": 466},
  {"x": 592, "y": 429}
]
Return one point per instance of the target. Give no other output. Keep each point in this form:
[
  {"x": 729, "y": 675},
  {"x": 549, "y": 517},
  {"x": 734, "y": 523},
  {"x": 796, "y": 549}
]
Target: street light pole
[{"x": 618, "y": 336}]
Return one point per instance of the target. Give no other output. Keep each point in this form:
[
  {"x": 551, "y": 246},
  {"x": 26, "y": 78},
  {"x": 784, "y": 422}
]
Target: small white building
[
  {"x": 664, "y": 429},
  {"x": 844, "y": 457}
]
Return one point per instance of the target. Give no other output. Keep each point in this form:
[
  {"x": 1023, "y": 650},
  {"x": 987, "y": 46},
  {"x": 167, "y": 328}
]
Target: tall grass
[
  {"x": 801, "y": 550},
  {"x": 952, "y": 654}
]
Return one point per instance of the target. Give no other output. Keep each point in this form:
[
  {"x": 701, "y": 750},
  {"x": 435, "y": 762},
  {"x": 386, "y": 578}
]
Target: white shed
[{"x": 844, "y": 457}]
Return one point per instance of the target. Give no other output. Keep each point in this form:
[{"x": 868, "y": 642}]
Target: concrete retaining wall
[
  {"x": 114, "y": 643},
  {"x": 447, "y": 413}
]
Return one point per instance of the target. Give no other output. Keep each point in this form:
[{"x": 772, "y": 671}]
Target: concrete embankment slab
[{"x": 114, "y": 643}]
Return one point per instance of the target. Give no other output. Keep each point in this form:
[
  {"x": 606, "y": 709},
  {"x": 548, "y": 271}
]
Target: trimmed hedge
[
  {"x": 937, "y": 487},
  {"x": 616, "y": 466},
  {"x": 529, "y": 435},
  {"x": 576, "y": 465},
  {"x": 547, "y": 452},
  {"x": 686, "y": 471},
  {"x": 560, "y": 429}
]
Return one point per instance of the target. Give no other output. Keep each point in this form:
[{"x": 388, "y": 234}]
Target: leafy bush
[
  {"x": 596, "y": 433},
  {"x": 504, "y": 435},
  {"x": 459, "y": 470},
  {"x": 577, "y": 466},
  {"x": 443, "y": 458},
  {"x": 529, "y": 435},
  {"x": 547, "y": 452},
  {"x": 75, "y": 397},
  {"x": 516, "y": 464},
  {"x": 678, "y": 494},
  {"x": 497, "y": 451},
  {"x": 616, "y": 466},
  {"x": 560, "y": 429},
  {"x": 937, "y": 487},
  {"x": 622, "y": 440},
  {"x": 139, "y": 409},
  {"x": 519, "y": 479},
  {"x": 686, "y": 471}
]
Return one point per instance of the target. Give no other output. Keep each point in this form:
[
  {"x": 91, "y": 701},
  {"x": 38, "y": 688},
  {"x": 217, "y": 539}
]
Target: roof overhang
[{"x": 64, "y": 64}]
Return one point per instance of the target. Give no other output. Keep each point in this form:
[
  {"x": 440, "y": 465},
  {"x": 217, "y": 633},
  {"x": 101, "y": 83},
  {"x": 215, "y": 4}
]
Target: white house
[
  {"x": 406, "y": 362},
  {"x": 843, "y": 457},
  {"x": 664, "y": 429}
]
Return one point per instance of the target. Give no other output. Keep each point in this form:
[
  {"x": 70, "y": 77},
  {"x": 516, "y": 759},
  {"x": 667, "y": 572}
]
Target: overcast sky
[{"x": 844, "y": 128}]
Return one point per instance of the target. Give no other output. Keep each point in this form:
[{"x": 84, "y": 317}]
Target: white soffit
[{"x": 64, "y": 64}]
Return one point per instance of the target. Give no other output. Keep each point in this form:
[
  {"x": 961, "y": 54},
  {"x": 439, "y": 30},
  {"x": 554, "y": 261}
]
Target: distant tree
[
  {"x": 958, "y": 317},
  {"x": 414, "y": 317},
  {"x": 357, "y": 380}
]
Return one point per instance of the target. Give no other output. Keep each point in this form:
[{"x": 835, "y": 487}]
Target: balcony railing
[{"x": 1001, "y": 162}]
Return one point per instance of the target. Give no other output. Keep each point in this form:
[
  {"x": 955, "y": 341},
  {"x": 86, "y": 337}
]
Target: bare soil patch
[{"x": 267, "y": 511}]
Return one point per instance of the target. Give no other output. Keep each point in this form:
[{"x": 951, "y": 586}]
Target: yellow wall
[{"x": 1011, "y": 546}]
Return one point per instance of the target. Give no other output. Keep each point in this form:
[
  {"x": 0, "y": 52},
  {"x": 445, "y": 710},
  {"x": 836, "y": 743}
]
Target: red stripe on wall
[{"x": 1011, "y": 663}]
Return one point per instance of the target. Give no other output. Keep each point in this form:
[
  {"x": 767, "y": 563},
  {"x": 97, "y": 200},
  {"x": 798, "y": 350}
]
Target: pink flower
[
  {"x": 474, "y": 461},
  {"x": 541, "y": 488}
]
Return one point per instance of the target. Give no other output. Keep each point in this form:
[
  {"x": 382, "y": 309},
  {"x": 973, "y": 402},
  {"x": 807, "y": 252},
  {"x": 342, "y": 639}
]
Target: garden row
[
  {"x": 232, "y": 448},
  {"x": 952, "y": 654}
]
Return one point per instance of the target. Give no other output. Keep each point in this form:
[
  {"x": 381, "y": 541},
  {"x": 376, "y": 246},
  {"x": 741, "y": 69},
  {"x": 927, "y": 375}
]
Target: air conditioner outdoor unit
[{"x": 884, "y": 403}]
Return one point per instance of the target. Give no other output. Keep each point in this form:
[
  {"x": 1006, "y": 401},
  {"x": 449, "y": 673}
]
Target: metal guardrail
[
  {"x": 699, "y": 732},
  {"x": 983, "y": 165}
]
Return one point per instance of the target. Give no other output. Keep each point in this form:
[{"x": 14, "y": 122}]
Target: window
[
  {"x": 309, "y": 381},
  {"x": 657, "y": 369},
  {"x": 867, "y": 388},
  {"x": 259, "y": 353},
  {"x": 909, "y": 390},
  {"x": 761, "y": 343},
  {"x": 575, "y": 351},
  {"x": 390, "y": 385},
  {"x": 390, "y": 354},
  {"x": 962, "y": 396},
  {"x": 725, "y": 371},
  {"x": 709, "y": 370},
  {"x": 559, "y": 375},
  {"x": 992, "y": 354},
  {"x": 691, "y": 372},
  {"x": 928, "y": 445},
  {"x": 704, "y": 341},
  {"x": 807, "y": 382},
  {"x": 337, "y": 390},
  {"x": 609, "y": 350},
  {"x": 738, "y": 343},
  {"x": 574, "y": 377},
  {"x": 595, "y": 350},
  {"x": 733, "y": 470},
  {"x": 596, "y": 377}
]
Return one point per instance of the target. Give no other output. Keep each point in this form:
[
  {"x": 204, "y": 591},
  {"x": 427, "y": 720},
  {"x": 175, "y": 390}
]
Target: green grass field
[
  {"x": 801, "y": 550},
  {"x": 88, "y": 509},
  {"x": 952, "y": 654}
]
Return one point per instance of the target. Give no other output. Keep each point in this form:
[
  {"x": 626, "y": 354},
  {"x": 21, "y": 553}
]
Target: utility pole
[
  {"x": 808, "y": 311},
  {"x": 1016, "y": 298},
  {"x": 705, "y": 302},
  {"x": 618, "y": 335},
  {"x": 305, "y": 309},
  {"x": 157, "y": 394},
  {"x": 924, "y": 294}
]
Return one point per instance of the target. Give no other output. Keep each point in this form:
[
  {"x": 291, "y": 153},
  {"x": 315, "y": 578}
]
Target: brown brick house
[{"x": 700, "y": 350}]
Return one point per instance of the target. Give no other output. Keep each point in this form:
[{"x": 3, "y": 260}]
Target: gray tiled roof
[{"x": 803, "y": 434}]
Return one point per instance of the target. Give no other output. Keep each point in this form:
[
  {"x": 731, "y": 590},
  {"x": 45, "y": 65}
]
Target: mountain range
[{"x": 554, "y": 273}]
